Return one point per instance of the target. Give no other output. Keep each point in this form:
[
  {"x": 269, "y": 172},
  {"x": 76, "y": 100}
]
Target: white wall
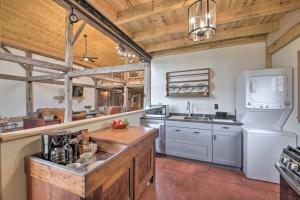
[
  {"x": 287, "y": 57},
  {"x": 226, "y": 64},
  {"x": 12, "y": 93}
]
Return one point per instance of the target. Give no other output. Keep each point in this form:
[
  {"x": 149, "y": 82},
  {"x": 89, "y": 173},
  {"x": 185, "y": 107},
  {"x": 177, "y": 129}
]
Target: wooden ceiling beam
[
  {"x": 105, "y": 8},
  {"x": 105, "y": 70},
  {"x": 46, "y": 77},
  {"x": 147, "y": 9},
  {"x": 12, "y": 77},
  {"x": 285, "y": 39},
  {"x": 34, "y": 62},
  {"x": 78, "y": 32},
  {"x": 142, "y": 11},
  {"x": 222, "y": 18},
  {"x": 210, "y": 45},
  {"x": 221, "y": 35}
]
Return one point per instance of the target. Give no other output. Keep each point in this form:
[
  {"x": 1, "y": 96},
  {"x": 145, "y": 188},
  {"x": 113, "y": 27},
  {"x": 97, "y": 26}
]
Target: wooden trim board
[{"x": 298, "y": 87}]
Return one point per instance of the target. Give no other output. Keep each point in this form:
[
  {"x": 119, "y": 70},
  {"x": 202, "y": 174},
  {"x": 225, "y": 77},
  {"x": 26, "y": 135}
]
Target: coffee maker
[{"x": 61, "y": 147}]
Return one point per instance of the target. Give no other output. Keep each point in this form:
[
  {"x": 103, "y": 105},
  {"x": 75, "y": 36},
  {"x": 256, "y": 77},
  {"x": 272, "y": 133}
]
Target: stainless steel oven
[
  {"x": 157, "y": 111},
  {"x": 161, "y": 139},
  {"x": 289, "y": 170}
]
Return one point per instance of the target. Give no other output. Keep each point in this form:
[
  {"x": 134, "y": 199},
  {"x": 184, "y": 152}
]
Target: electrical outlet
[{"x": 216, "y": 106}]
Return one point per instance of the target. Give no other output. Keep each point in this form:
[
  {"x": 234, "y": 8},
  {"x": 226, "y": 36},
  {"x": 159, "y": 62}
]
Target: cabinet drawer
[
  {"x": 187, "y": 150},
  {"x": 183, "y": 124},
  {"x": 222, "y": 127},
  {"x": 188, "y": 134}
]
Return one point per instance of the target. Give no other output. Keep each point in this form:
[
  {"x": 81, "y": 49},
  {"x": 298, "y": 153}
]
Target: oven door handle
[{"x": 292, "y": 183}]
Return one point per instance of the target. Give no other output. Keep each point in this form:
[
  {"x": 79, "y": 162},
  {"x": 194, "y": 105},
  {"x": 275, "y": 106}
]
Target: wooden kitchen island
[{"x": 123, "y": 176}]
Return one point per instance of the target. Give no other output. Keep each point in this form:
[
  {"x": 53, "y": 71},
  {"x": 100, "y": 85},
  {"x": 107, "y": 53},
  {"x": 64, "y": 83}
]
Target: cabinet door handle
[
  {"x": 177, "y": 130},
  {"x": 225, "y": 127},
  {"x": 214, "y": 137},
  {"x": 196, "y": 132}
]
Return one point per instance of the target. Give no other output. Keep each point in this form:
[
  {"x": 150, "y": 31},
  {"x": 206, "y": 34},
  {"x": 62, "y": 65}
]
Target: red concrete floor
[{"x": 184, "y": 180}]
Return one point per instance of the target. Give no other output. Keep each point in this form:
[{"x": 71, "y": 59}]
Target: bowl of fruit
[{"x": 119, "y": 124}]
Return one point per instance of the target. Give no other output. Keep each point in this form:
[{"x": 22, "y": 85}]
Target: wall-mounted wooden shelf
[{"x": 189, "y": 83}]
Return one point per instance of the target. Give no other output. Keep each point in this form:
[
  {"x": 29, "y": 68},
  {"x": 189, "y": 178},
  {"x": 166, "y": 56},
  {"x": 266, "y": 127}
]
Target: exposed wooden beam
[
  {"x": 34, "y": 62},
  {"x": 105, "y": 8},
  {"x": 8, "y": 51},
  {"x": 210, "y": 45},
  {"x": 55, "y": 82},
  {"x": 43, "y": 71},
  {"x": 221, "y": 35},
  {"x": 93, "y": 17},
  {"x": 147, "y": 86},
  {"x": 268, "y": 59},
  {"x": 46, "y": 77},
  {"x": 142, "y": 11},
  {"x": 285, "y": 39},
  {"x": 105, "y": 70},
  {"x": 147, "y": 9},
  {"x": 286, "y": 22},
  {"x": 78, "y": 32},
  {"x": 160, "y": 31},
  {"x": 12, "y": 77},
  {"x": 109, "y": 79},
  {"x": 29, "y": 87},
  {"x": 68, "y": 63}
]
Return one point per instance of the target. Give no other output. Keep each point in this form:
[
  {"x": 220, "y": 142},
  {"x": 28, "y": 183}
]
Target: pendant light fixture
[{"x": 202, "y": 20}]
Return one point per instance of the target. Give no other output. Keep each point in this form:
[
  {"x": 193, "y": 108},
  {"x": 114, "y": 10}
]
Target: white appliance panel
[
  {"x": 262, "y": 148},
  {"x": 268, "y": 89}
]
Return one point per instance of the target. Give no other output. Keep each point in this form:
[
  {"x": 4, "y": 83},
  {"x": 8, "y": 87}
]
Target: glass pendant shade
[{"x": 202, "y": 20}]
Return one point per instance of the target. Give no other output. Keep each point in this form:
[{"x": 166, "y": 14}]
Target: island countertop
[{"x": 128, "y": 136}]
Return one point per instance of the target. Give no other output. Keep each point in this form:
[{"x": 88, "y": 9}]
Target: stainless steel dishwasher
[{"x": 161, "y": 139}]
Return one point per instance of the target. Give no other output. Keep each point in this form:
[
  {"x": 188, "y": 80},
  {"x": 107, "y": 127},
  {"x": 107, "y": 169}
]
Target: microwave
[{"x": 157, "y": 111}]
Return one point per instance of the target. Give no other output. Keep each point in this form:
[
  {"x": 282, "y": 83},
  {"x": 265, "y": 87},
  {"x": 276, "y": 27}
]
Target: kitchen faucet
[{"x": 188, "y": 108}]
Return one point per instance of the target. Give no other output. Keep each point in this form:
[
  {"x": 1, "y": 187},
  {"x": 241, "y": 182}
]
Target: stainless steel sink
[{"x": 197, "y": 118}]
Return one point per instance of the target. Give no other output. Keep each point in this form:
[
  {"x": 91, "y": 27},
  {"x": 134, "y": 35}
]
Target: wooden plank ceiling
[
  {"x": 39, "y": 26},
  {"x": 160, "y": 26}
]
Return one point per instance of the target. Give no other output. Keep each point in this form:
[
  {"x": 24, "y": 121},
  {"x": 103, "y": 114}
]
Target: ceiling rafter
[
  {"x": 221, "y": 35},
  {"x": 211, "y": 45},
  {"x": 223, "y": 17},
  {"x": 144, "y": 10}
]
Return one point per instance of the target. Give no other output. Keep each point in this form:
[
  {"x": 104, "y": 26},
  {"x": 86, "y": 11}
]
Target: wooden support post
[
  {"x": 147, "y": 86},
  {"x": 29, "y": 88},
  {"x": 125, "y": 103},
  {"x": 96, "y": 102},
  {"x": 68, "y": 64},
  {"x": 268, "y": 58}
]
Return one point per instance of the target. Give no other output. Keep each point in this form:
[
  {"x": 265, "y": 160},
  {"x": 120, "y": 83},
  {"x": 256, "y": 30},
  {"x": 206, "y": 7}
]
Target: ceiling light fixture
[
  {"x": 125, "y": 54},
  {"x": 202, "y": 20}
]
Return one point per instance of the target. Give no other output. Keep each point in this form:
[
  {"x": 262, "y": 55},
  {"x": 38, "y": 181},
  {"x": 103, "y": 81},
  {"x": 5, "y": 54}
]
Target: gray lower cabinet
[
  {"x": 227, "y": 145},
  {"x": 193, "y": 143}
]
